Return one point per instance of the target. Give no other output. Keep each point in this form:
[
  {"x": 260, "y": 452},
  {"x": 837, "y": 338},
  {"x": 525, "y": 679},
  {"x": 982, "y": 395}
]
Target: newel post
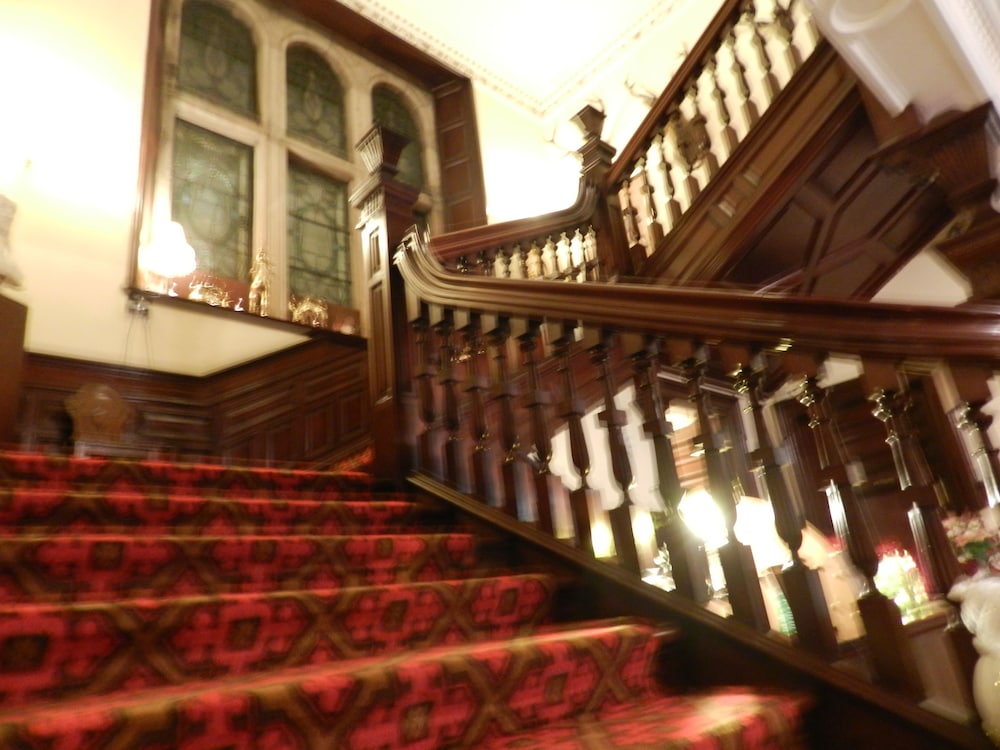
[{"x": 386, "y": 207}]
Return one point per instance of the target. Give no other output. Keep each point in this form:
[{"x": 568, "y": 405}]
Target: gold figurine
[{"x": 260, "y": 276}]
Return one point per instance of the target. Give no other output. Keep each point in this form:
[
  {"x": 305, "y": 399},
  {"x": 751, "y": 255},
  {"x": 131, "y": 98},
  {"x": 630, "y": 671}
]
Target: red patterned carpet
[{"x": 152, "y": 605}]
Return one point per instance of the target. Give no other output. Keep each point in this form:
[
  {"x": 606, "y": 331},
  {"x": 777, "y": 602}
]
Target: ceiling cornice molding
[{"x": 539, "y": 106}]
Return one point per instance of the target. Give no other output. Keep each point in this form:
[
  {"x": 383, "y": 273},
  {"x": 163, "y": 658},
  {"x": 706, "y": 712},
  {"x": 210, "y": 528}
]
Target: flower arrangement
[{"x": 975, "y": 541}]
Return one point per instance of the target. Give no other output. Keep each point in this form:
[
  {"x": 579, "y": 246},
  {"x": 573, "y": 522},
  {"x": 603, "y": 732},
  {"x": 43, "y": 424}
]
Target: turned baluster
[
  {"x": 747, "y": 106},
  {"x": 672, "y": 208},
  {"x": 637, "y": 253},
  {"x": 935, "y": 558},
  {"x": 801, "y": 585},
  {"x": 445, "y": 329},
  {"x": 548, "y": 487},
  {"x": 477, "y": 386},
  {"x": 572, "y": 409},
  {"x": 784, "y": 26},
  {"x": 688, "y": 561},
  {"x": 728, "y": 135},
  {"x": 888, "y": 645},
  {"x": 768, "y": 81},
  {"x": 698, "y": 123},
  {"x": 654, "y": 232},
  {"x": 686, "y": 144},
  {"x": 742, "y": 583},
  {"x": 426, "y": 373},
  {"x": 505, "y": 395},
  {"x": 613, "y": 419},
  {"x": 504, "y": 260}
]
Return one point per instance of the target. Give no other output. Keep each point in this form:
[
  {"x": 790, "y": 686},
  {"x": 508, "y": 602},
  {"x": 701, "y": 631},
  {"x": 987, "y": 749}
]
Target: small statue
[
  {"x": 10, "y": 274},
  {"x": 260, "y": 276}
]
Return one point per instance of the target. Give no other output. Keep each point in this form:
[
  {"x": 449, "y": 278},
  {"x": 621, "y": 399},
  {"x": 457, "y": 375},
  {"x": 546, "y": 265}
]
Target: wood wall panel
[
  {"x": 305, "y": 404},
  {"x": 12, "y": 320}
]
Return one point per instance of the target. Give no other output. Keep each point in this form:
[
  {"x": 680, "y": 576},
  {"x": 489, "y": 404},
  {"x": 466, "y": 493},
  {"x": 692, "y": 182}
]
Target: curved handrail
[
  {"x": 469, "y": 242},
  {"x": 828, "y": 325}
]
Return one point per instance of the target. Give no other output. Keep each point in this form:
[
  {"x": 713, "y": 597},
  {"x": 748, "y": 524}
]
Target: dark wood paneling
[
  {"x": 12, "y": 319},
  {"x": 458, "y": 149},
  {"x": 305, "y": 404}
]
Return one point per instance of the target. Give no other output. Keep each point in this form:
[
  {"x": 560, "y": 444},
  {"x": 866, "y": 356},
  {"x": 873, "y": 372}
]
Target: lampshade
[{"x": 169, "y": 254}]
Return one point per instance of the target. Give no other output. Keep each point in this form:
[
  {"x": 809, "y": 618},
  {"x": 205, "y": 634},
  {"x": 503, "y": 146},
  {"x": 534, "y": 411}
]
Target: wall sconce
[
  {"x": 167, "y": 256},
  {"x": 10, "y": 273}
]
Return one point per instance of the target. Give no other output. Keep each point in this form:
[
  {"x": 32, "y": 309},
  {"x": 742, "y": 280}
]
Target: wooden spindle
[
  {"x": 445, "y": 329},
  {"x": 935, "y": 557},
  {"x": 742, "y": 582},
  {"x": 729, "y": 139},
  {"x": 477, "y": 385},
  {"x": 672, "y": 209},
  {"x": 547, "y": 486},
  {"x": 572, "y": 410},
  {"x": 613, "y": 419},
  {"x": 426, "y": 406},
  {"x": 769, "y": 84},
  {"x": 505, "y": 394},
  {"x": 688, "y": 560},
  {"x": 889, "y": 648},
  {"x": 747, "y": 106},
  {"x": 654, "y": 232},
  {"x": 802, "y": 586}
]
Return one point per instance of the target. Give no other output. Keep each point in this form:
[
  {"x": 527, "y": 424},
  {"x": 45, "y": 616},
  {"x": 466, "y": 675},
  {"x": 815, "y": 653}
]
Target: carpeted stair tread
[
  {"x": 40, "y": 511},
  {"x": 57, "y": 471},
  {"x": 188, "y": 606},
  {"x": 99, "y": 566},
  {"x": 52, "y": 651},
  {"x": 712, "y": 719},
  {"x": 454, "y": 694}
]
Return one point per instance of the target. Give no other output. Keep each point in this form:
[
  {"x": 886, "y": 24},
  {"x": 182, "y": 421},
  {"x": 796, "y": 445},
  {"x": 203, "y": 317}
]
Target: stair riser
[
  {"x": 94, "y": 568},
  {"x": 50, "y": 652}
]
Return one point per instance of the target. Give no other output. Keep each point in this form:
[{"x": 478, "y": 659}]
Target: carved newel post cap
[
  {"x": 590, "y": 120},
  {"x": 380, "y": 149}
]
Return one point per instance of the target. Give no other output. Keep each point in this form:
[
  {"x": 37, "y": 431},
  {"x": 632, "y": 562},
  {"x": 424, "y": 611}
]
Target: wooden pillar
[
  {"x": 547, "y": 485},
  {"x": 742, "y": 582},
  {"x": 889, "y": 648},
  {"x": 802, "y": 586},
  {"x": 572, "y": 409},
  {"x": 386, "y": 207},
  {"x": 614, "y": 419},
  {"x": 688, "y": 560}
]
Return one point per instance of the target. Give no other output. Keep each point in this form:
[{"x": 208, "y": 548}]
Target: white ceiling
[{"x": 538, "y": 54}]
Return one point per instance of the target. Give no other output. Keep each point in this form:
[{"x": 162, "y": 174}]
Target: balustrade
[{"x": 510, "y": 348}]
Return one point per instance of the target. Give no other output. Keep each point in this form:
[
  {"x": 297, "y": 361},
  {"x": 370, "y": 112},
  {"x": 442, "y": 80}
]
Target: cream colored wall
[{"x": 71, "y": 98}]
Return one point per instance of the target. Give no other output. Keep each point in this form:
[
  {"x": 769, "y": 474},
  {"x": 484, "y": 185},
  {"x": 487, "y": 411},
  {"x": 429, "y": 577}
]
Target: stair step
[
  {"x": 736, "y": 717},
  {"x": 50, "y": 651},
  {"x": 93, "y": 567},
  {"x": 51, "y": 511},
  {"x": 440, "y": 697},
  {"x": 66, "y": 472}
]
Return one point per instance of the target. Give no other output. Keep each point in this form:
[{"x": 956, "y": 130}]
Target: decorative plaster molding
[{"x": 538, "y": 104}]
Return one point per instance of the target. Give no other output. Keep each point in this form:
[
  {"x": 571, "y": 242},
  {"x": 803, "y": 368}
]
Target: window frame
[{"x": 274, "y": 33}]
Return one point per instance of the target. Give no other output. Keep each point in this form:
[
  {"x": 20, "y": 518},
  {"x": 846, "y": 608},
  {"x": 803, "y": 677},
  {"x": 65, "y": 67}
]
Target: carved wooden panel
[{"x": 306, "y": 403}]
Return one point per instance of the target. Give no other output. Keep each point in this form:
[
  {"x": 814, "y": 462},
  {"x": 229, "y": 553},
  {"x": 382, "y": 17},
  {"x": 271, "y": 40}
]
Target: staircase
[{"x": 156, "y": 605}]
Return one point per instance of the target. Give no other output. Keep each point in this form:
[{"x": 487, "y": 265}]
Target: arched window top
[
  {"x": 315, "y": 99},
  {"x": 389, "y": 109},
  {"x": 218, "y": 57}
]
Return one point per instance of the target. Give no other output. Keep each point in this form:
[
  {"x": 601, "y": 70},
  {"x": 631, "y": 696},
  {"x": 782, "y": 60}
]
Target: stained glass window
[
  {"x": 315, "y": 101},
  {"x": 212, "y": 184},
  {"x": 389, "y": 110},
  {"x": 319, "y": 258},
  {"x": 218, "y": 58}
]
